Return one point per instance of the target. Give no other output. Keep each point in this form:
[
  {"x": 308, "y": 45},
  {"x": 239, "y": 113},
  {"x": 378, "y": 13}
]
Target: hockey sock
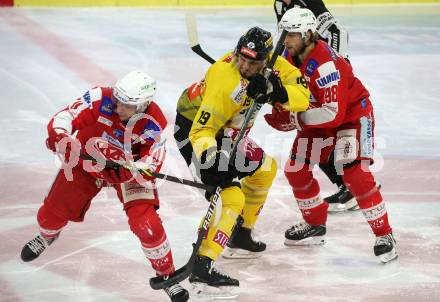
[
  {"x": 361, "y": 183},
  {"x": 307, "y": 193},
  {"x": 146, "y": 225},
  {"x": 255, "y": 189},
  {"x": 50, "y": 224},
  {"x": 220, "y": 232}
]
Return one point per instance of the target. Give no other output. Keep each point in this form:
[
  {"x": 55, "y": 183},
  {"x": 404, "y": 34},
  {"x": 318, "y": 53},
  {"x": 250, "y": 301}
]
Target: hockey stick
[
  {"x": 191, "y": 28},
  {"x": 114, "y": 165},
  {"x": 183, "y": 272}
]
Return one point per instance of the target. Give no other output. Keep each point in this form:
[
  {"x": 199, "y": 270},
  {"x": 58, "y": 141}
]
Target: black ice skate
[
  {"x": 177, "y": 293},
  {"x": 385, "y": 248},
  {"x": 241, "y": 245},
  {"x": 305, "y": 234},
  {"x": 207, "y": 281},
  {"x": 341, "y": 201},
  {"x": 35, "y": 247}
]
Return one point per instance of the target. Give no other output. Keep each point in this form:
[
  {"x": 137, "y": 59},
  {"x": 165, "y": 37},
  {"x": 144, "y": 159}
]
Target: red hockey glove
[
  {"x": 282, "y": 120},
  {"x": 55, "y": 136},
  {"x": 117, "y": 176},
  {"x": 61, "y": 142}
]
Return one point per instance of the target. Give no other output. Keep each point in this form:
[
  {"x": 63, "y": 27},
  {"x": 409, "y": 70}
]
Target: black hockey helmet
[{"x": 255, "y": 44}]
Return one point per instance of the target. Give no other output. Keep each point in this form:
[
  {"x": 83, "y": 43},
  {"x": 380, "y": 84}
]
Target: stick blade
[
  {"x": 178, "y": 276},
  {"x": 191, "y": 28}
]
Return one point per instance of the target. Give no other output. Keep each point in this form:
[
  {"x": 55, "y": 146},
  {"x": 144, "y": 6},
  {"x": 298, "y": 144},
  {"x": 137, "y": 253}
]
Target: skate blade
[
  {"x": 230, "y": 253},
  {"x": 315, "y": 240},
  {"x": 351, "y": 205},
  {"x": 204, "y": 292},
  {"x": 387, "y": 257}
]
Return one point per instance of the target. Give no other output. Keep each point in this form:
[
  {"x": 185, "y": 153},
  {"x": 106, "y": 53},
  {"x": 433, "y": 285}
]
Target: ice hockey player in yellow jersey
[{"x": 209, "y": 116}]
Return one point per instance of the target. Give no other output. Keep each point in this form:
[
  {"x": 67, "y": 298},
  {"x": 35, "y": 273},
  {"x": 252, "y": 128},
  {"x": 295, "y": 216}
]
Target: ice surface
[{"x": 48, "y": 57}]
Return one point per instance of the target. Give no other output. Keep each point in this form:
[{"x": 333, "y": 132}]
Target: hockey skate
[
  {"x": 241, "y": 245},
  {"x": 177, "y": 293},
  {"x": 305, "y": 234},
  {"x": 341, "y": 201},
  {"x": 385, "y": 248},
  {"x": 35, "y": 247},
  {"x": 207, "y": 282}
]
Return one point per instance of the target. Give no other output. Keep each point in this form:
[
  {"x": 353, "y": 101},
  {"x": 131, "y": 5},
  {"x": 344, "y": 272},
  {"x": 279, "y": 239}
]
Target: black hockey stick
[
  {"x": 191, "y": 28},
  {"x": 186, "y": 182},
  {"x": 183, "y": 272}
]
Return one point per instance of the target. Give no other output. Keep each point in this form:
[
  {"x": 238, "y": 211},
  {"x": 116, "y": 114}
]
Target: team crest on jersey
[
  {"x": 311, "y": 67},
  {"x": 151, "y": 132},
  {"x": 107, "y": 149},
  {"x": 239, "y": 92},
  {"x": 106, "y": 107},
  {"x": 328, "y": 80}
]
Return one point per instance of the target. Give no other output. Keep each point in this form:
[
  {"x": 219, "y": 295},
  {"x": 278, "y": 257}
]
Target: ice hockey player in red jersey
[
  {"x": 116, "y": 124},
  {"x": 330, "y": 30},
  {"x": 340, "y": 117}
]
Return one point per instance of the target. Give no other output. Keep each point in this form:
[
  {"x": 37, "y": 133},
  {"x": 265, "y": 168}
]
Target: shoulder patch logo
[
  {"x": 310, "y": 67},
  {"x": 106, "y": 106}
]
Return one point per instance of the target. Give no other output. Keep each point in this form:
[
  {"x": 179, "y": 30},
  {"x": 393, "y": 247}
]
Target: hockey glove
[
  {"x": 283, "y": 120},
  {"x": 61, "y": 142},
  {"x": 257, "y": 89},
  {"x": 280, "y": 8},
  {"x": 279, "y": 92},
  {"x": 215, "y": 169},
  {"x": 332, "y": 32}
]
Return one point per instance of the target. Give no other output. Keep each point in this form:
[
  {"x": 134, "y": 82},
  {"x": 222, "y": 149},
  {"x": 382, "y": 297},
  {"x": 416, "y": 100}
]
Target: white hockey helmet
[
  {"x": 135, "y": 88},
  {"x": 298, "y": 20}
]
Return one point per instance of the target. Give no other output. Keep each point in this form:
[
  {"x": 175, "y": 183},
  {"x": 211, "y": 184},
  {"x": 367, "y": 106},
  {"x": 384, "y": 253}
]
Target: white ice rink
[{"x": 48, "y": 57}]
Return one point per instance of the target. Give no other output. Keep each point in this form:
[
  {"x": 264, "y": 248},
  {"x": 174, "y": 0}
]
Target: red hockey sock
[
  {"x": 362, "y": 185},
  {"x": 307, "y": 193},
  {"x": 50, "y": 224},
  {"x": 147, "y": 226}
]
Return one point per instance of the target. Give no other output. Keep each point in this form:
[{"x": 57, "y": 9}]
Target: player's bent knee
[
  {"x": 233, "y": 198},
  {"x": 298, "y": 176},
  {"x": 145, "y": 223},
  {"x": 359, "y": 180}
]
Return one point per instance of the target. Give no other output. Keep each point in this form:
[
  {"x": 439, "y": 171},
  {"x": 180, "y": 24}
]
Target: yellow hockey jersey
[{"x": 220, "y": 101}]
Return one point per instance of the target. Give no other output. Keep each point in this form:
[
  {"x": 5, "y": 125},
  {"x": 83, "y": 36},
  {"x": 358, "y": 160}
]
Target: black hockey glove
[
  {"x": 279, "y": 92},
  {"x": 215, "y": 169},
  {"x": 257, "y": 89},
  {"x": 280, "y": 8}
]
